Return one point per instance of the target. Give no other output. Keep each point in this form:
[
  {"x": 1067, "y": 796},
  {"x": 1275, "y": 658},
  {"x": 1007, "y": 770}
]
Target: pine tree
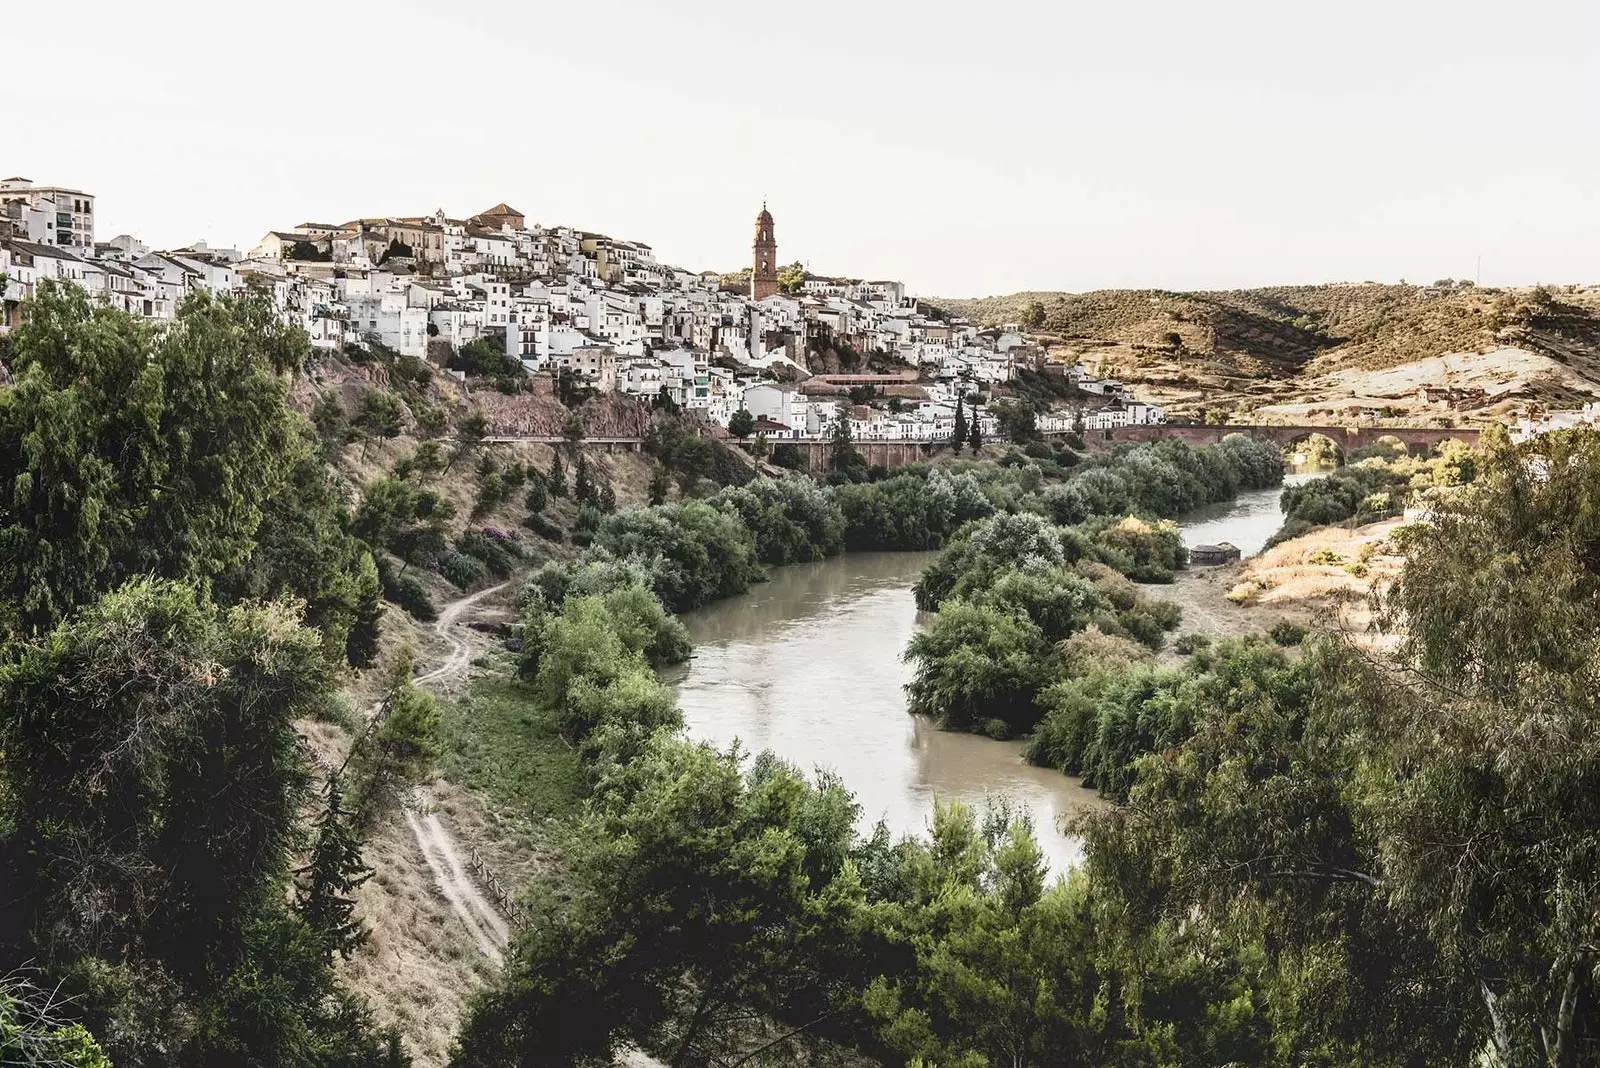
[
  {"x": 960, "y": 437},
  {"x": 583, "y": 488},
  {"x": 660, "y": 485},
  {"x": 325, "y": 887},
  {"x": 843, "y": 455},
  {"x": 558, "y": 477}
]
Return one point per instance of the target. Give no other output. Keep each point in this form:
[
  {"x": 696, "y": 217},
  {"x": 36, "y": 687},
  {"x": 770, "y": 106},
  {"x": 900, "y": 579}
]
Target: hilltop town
[{"x": 794, "y": 350}]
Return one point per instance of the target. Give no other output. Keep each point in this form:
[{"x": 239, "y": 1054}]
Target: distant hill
[{"x": 1297, "y": 345}]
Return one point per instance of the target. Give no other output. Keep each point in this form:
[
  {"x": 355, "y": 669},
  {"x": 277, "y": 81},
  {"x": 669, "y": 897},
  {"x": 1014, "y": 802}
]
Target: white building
[{"x": 47, "y": 215}]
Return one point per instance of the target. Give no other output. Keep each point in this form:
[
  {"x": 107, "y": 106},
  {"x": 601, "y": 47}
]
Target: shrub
[
  {"x": 1189, "y": 644},
  {"x": 462, "y": 570},
  {"x": 499, "y": 555},
  {"x": 1286, "y": 633},
  {"x": 410, "y": 594},
  {"x": 544, "y": 528}
]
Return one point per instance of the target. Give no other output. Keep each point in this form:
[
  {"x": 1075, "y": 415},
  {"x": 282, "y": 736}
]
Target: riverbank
[{"x": 1322, "y": 579}]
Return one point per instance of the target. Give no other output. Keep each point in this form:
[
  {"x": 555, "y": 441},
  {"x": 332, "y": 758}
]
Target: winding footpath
[{"x": 483, "y": 921}]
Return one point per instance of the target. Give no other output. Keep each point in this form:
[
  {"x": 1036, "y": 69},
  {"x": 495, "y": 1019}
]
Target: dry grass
[
  {"x": 1323, "y": 579},
  {"x": 420, "y": 966}
]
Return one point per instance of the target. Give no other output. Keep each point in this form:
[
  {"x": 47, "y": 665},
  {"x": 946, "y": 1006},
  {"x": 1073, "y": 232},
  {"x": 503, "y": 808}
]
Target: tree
[
  {"x": 975, "y": 434},
  {"x": 583, "y": 486},
  {"x": 699, "y": 896},
  {"x": 792, "y": 279},
  {"x": 660, "y": 484},
  {"x": 557, "y": 478},
  {"x": 485, "y": 357},
  {"x": 471, "y": 430},
  {"x": 572, "y": 431},
  {"x": 842, "y": 454},
  {"x": 1016, "y": 420},
  {"x": 976, "y": 665},
  {"x": 127, "y": 451},
  {"x": 334, "y": 872},
  {"x": 398, "y": 746},
  {"x": 760, "y": 448},
  {"x": 1033, "y": 315},
  {"x": 153, "y": 786},
  {"x": 333, "y": 426},
  {"x": 960, "y": 436},
  {"x": 380, "y": 414},
  {"x": 742, "y": 424}
]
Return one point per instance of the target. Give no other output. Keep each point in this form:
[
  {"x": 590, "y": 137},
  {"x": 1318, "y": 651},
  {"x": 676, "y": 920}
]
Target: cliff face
[{"x": 539, "y": 414}]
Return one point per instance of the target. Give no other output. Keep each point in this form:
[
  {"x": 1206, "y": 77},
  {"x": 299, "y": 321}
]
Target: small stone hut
[{"x": 1212, "y": 555}]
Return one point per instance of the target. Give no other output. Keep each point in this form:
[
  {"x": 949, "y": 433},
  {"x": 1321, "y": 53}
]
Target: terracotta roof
[{"x": 502, "y": 208}]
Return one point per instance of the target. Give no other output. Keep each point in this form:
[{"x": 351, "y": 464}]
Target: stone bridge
[
  {"x": 889, "y": 454},
  {"x": 1347, "y": 438}
]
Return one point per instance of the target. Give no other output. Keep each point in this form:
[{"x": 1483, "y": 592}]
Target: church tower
[{"x": 764, "y": 273}]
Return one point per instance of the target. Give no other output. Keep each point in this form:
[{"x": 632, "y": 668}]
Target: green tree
[
  {"x": 960, "y": 436},
  {"x": 557, "y": 478},
  {"x": 977, "y": 664},
  {"x": 1016, "y": 419},
  {"x": 792, "y": 279},
  {"x": 583, "y": 484},
  {"x": 975, "y": 435},
  {"x": 129, "y": 451},
  {"x": 742, "y": 425},
  {"x": 660, "y": 484},
  {"x": 380, "y": 414},
  {"x": 397, "y": 748},
  {"x": 842, "y": 454},
  {"x": 698, "y": 897},
  {"x": 1033, "y": 315},
  {"x": 326, "y": 883},
  {"x": 572, "y": 432}
]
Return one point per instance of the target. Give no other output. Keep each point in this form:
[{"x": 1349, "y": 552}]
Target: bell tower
[{"x": 764, "y": 271}]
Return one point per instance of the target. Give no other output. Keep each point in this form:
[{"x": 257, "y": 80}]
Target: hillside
[{"x": 1284, "y": 351}]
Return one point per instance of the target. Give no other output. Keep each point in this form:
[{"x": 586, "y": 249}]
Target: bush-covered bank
[
  {"x": 1010, "y": 588},
  {"x": 711, "y": 905},
  {"x": 1379, "y": 480}
]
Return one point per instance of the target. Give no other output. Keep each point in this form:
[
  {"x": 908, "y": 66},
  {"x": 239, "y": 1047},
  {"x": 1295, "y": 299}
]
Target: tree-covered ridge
[{"x": 180, "y": 585}]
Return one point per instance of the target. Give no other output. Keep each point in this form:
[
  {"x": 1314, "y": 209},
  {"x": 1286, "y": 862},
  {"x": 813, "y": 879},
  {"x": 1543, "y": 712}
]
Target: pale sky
[{"x": 969, "y": 149}]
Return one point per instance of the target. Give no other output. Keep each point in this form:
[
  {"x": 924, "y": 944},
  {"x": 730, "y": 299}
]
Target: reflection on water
[{"x": 808, "y": 665}]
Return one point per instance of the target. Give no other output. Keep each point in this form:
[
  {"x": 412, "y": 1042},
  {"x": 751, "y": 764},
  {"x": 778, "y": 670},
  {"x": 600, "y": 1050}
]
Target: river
[{"x": 808, "y": 665}]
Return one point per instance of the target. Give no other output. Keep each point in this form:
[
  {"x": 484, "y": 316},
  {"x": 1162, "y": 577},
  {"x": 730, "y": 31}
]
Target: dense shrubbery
[
  {"x": 1379, "y": 481},
  {"x": 695, "y": 552},
  {"x": 1010, "y": 585},
  {"x": 1099, "y": 724}
]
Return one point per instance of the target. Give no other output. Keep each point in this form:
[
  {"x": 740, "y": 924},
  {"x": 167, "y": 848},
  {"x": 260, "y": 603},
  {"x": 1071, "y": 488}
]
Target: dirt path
[
  {"x": 489, "y": 931},
  {"x": 460, "y": 655},
  {"x": 483, "y": 921}
]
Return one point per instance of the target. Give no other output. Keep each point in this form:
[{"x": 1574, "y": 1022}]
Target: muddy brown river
[{"x": 808, "y": 665}]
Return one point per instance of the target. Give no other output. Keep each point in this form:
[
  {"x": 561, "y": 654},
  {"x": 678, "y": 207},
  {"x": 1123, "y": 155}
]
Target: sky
[{"x": 968, "y": 149}]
